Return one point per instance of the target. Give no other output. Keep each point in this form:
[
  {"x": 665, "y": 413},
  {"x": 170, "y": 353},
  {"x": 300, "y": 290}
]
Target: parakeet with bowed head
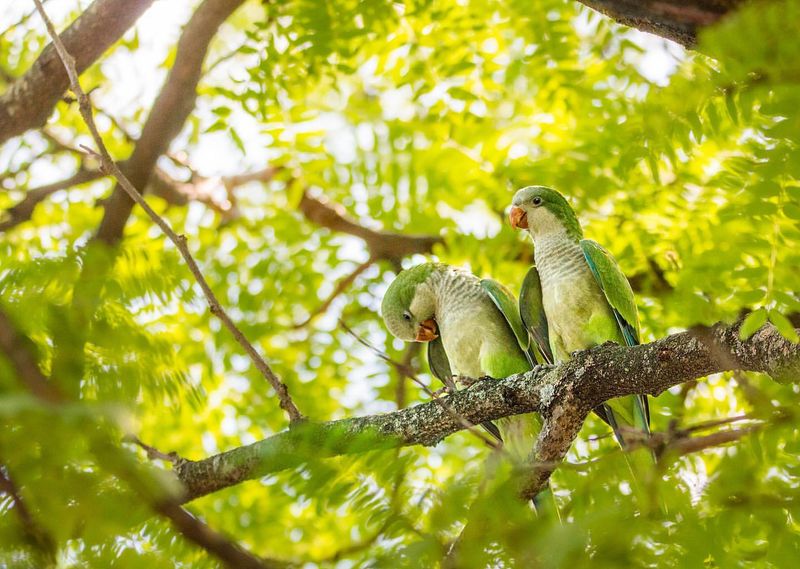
[
  {"x": 473, "y": 329},
  {"x": 576, "y": 296}
]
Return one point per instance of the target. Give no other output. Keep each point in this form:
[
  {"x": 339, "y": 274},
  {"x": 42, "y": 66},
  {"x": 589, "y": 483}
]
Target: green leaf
[
  {"x": 752, "y": 322},
  {"x": 784, "y": 326},
  {"x": 792, "y": 211}
]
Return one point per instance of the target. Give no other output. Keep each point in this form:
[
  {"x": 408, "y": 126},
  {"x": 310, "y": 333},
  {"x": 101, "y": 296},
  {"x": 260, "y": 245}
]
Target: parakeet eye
[
  {"x": 537, "y": 201},
  {"x": 406, "y": 316}
]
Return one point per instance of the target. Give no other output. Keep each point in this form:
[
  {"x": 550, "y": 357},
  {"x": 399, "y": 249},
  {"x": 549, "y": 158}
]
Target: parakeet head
[
  {"x": 542, "y": 210},
  {"x": 409, "y": 304}
]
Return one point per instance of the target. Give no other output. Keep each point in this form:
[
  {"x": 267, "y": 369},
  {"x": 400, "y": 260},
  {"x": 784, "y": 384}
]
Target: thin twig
[
  {"x": 152, "y": 452},
  {"x": 397, "y": 365},
  {"x": 690, "y": 445},
  {"x": 705, "y": 425},
  {"x": 110, "y": 167},
  {"x": 341, "y": 286}
]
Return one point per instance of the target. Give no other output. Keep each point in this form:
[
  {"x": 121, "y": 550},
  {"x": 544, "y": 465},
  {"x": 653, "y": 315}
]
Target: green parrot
[
  {"x": 576, "y": 296},
  {"x": 473, "y": 328}
]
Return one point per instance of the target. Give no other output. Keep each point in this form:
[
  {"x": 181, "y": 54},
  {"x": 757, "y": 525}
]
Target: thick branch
[
  {"x": 381, "y": 244},
  {"x": 676, "y": 20},
  {"x": 564, "y": 395},
  {"x": 169, "y": 112},
  {"x": 30, "y": 99}
]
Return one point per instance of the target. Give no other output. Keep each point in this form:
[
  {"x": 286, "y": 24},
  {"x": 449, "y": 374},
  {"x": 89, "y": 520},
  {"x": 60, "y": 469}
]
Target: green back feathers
[
  {"x": 635, "y": 410},
  {"x": 507, "y": 305},
  {"x": 615, "y": 287},
  {"x": 531, "y": 309}
]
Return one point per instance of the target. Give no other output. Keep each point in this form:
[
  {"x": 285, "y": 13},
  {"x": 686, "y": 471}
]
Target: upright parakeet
[
  {"x": 473, "y": 329},
  {"x": 576, "y": 296}
]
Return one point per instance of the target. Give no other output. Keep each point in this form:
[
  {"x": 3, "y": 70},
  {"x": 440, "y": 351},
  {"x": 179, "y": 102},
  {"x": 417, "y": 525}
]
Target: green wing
[
  {"x": 616, "y": 288},
  {"x": 440, "y": 368},
  {"x": 531, "y": 309},
  {"x": 439, "y": 364},
  {"x": 507, "y": 305},
  {"x": 619, "y": 294}
]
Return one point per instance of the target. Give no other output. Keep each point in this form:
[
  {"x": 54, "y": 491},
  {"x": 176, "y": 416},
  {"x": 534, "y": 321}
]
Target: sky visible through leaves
[{"x": 420, "y": 118}]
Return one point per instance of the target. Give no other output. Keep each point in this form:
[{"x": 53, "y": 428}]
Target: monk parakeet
[
  {"x": 576, "y": 296},
  {"x": 473, "y": 329}
]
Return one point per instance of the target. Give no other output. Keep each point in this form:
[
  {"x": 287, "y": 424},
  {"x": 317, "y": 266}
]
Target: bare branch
[
  {"x": 341, "y": 286},
  {"x": 30, "y": 99},
  {"x": 169, "y": 112},
  {"x": 676, "y": 20},
  {"x": 688, "y": 445},
  {"x": 384, "y": 245},
  {"x": 559, "y": 393},
  {"x": 23, "y": 211},
  {"x": 152, "y": 452},
  {"x": 199, "y": 533},
  {"x": 110, "y": 167},
  {"x": 180, "y": 193}
]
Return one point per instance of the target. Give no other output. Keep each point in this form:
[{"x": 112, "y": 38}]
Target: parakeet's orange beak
[
  {"x": 427, "y": 331},
  {"x": 518, "y": 218}
]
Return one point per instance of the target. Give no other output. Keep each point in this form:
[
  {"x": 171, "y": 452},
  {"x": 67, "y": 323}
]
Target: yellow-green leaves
[
  {"x": 757, "y": 318},
  {"x": 753, "y": 322},
  {"x": 783, "y": 325}
]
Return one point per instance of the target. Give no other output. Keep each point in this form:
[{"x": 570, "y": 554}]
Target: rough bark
[
  {"x": 563, "y": 394},
  {"x": 169, "y": 112},
  {"x": 30, "y": 99},
  {"x": 676, "y": 20}
]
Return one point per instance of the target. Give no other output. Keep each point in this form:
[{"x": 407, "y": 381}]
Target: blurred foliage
[{"x": 418, "y": 117}]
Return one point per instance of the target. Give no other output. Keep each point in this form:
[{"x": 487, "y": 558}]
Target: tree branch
[
  {"x": 23, "y": 210},
  {"x": 21, "y": 352},
  {"x": 169, "y": 112},
  {"x": 110, "y": 167},
  {"x": 341, "y": 286},
  {"x": 19, "y": 349},
  {"x": 563, "y": 394},
  {"x": 386, "y": 245},
  {"x": 36, "y": 535},
  {"x": 676, "y": 20},
  {"x": 30, "y": 99},
  {"x": 230, "y": 553}
]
